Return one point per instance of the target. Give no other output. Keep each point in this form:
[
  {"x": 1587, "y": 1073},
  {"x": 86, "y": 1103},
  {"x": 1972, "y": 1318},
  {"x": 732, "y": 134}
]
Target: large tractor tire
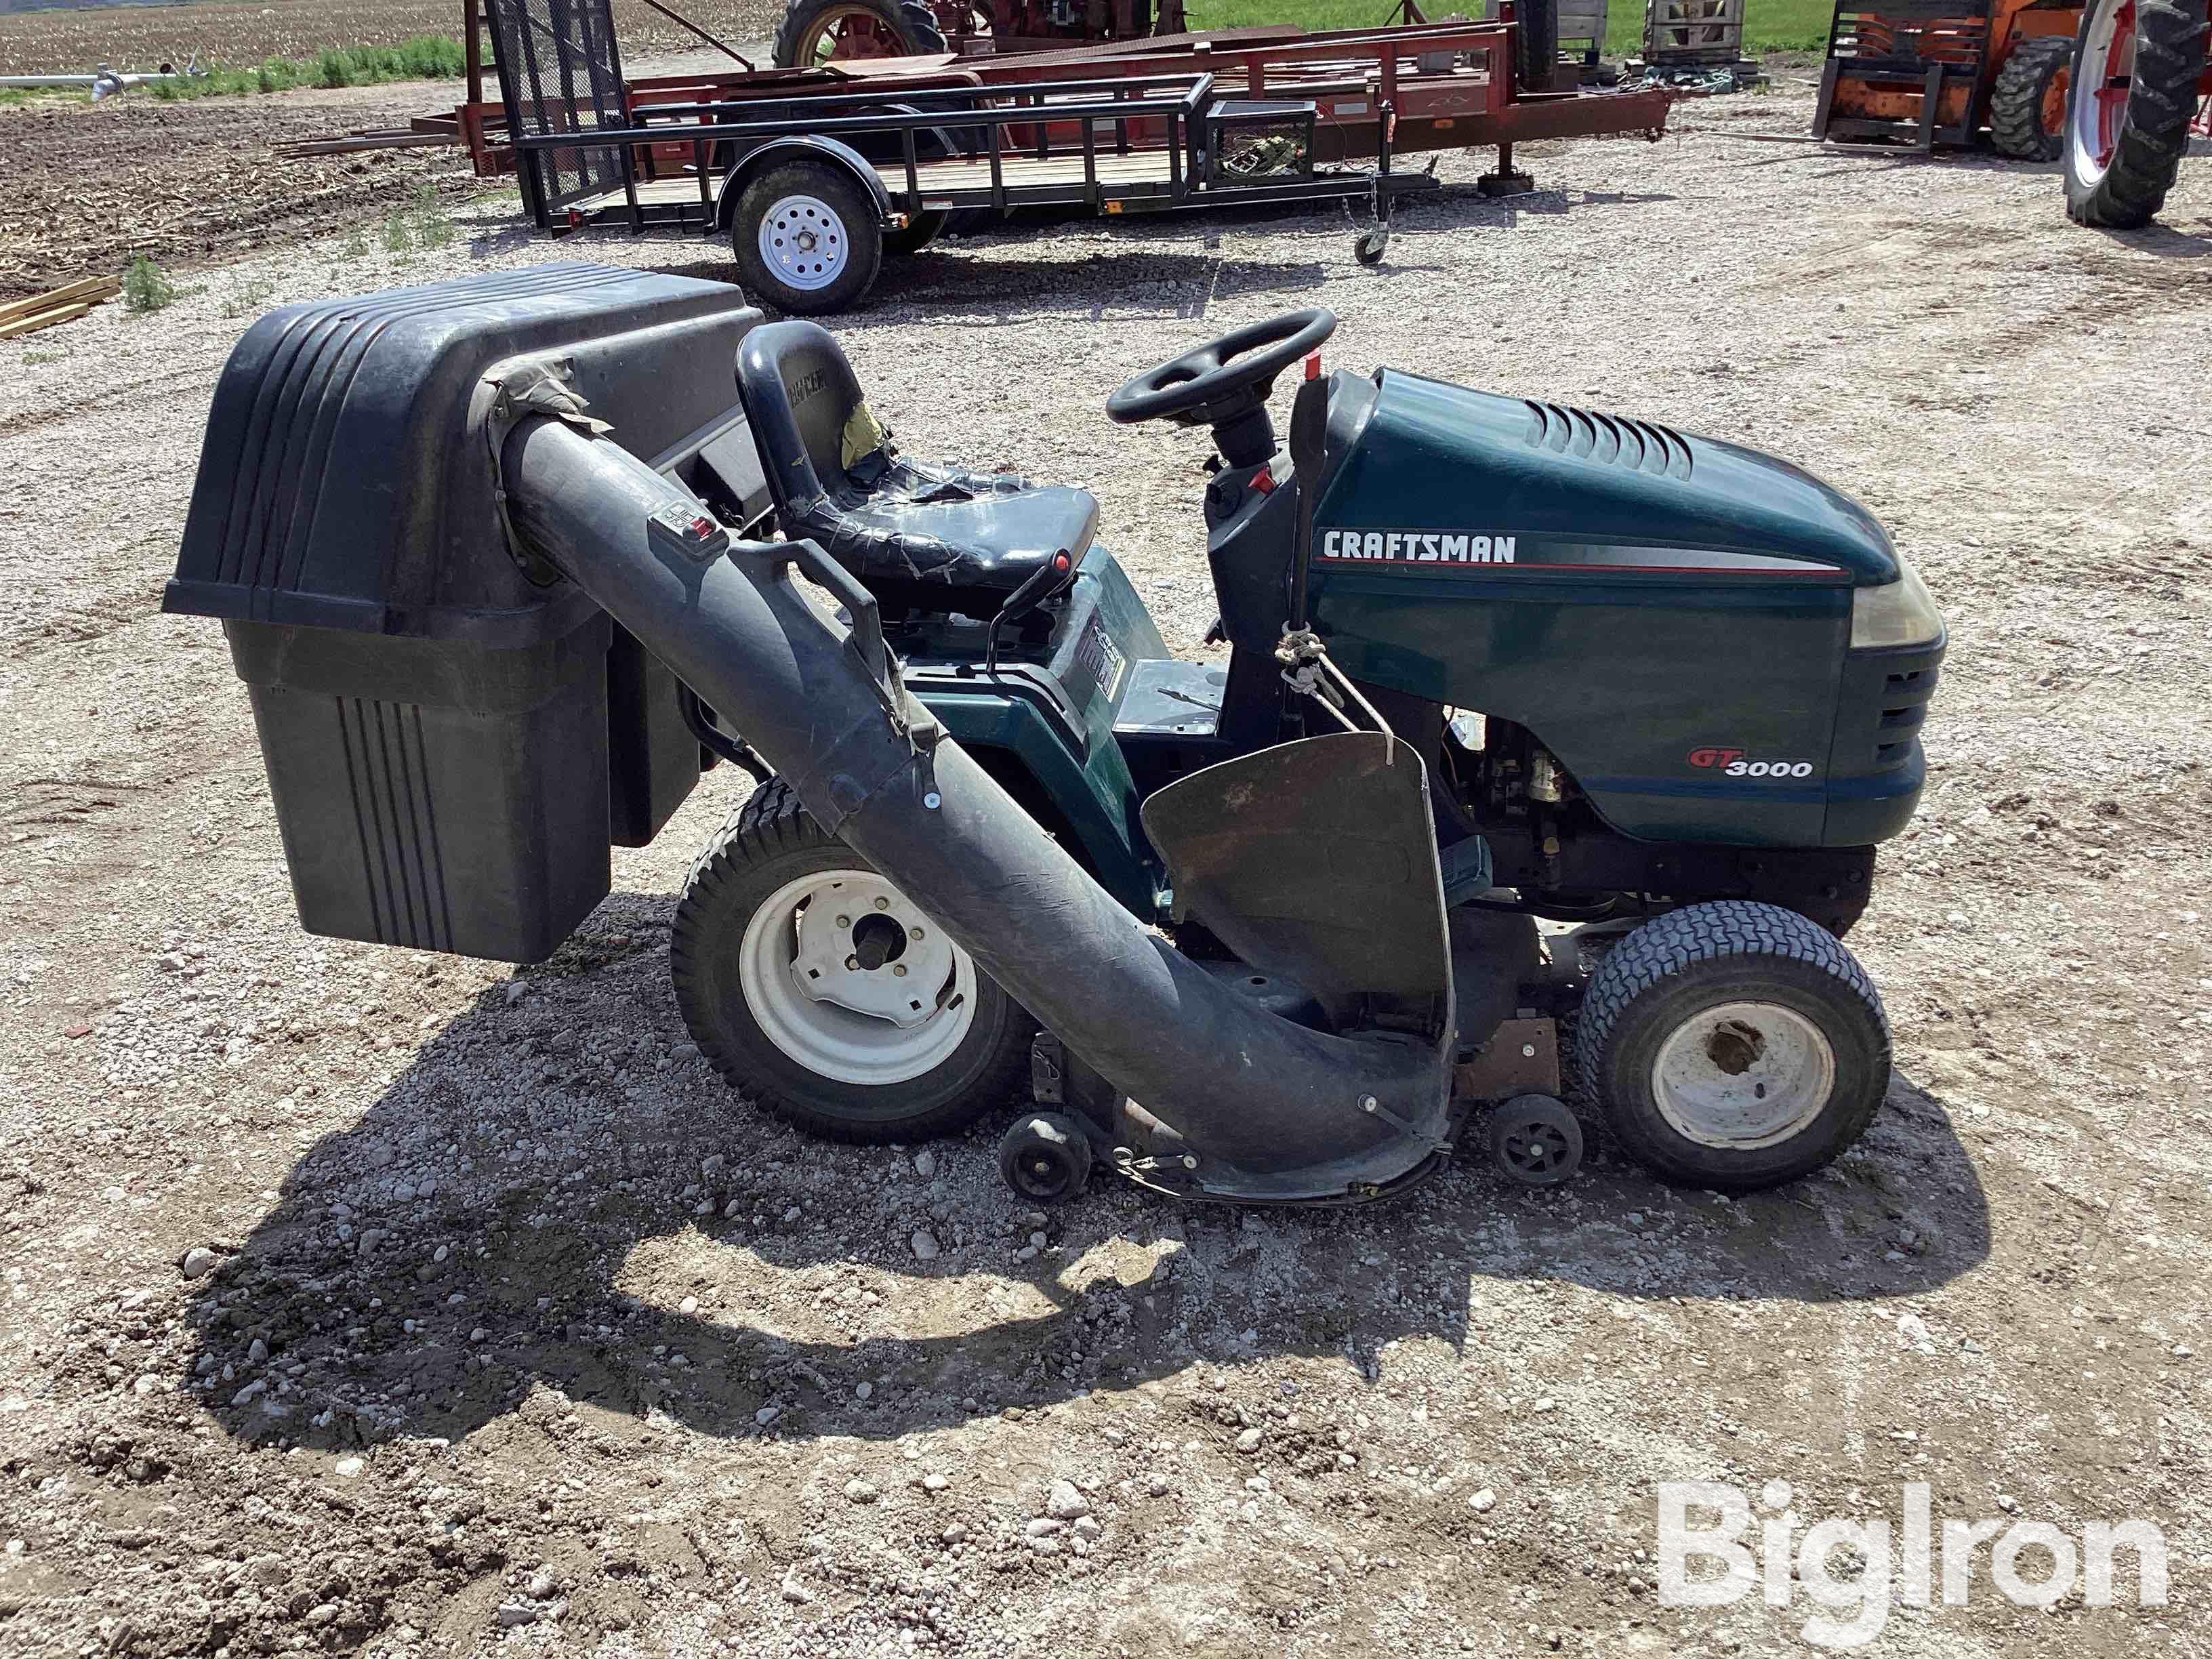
[
  {"x": 2027, "y": 106},
  {"x": 2135, "y": 73},
  {"x": 1733, "y": 1045},
  {"x": 1537, "y": 35},
  {"x": 816, "y": 31},
  {"x": 815, "y": 986}
]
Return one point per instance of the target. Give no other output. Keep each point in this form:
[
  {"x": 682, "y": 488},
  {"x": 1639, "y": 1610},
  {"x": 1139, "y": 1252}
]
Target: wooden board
[
  {"x": 92, "y": 290},
  {"x": 38, "y": 320},
  {"x": 945, "y": 179}
]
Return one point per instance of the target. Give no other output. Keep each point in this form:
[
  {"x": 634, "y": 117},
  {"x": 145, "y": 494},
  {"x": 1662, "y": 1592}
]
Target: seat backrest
[{"x": 798, "y": 392}]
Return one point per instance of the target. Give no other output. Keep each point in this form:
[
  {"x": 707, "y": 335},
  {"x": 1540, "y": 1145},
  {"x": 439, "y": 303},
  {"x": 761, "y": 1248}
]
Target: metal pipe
[
  {"x": 108, "y": 78},
  {"x": 1267, "y": 1106}
]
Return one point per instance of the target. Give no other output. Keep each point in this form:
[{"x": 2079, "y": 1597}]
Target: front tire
[
  {"x": 2027, "y": 105},
  {"x": 807, "y": 238},
  {"x": 2135, "y": 73},
  {"x": 1733, "y": 1045},
  {"x": 789, "y": 992}
]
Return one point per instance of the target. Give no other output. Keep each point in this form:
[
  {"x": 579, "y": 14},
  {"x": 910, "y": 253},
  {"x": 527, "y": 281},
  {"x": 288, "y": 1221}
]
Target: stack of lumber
[{"x": 62, "y": 305}]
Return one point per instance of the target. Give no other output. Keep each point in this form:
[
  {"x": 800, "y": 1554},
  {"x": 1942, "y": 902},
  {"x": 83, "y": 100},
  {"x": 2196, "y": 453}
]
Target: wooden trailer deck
[{"x": 957, "y": 181}]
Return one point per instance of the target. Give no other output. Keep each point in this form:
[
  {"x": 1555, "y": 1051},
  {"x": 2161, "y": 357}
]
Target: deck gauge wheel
[
  {"x": 1535, "y": 1141},
  {"x": 1045, "y": 1157}
]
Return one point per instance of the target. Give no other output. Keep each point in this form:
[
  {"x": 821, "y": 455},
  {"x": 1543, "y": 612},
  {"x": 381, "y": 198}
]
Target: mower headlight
[{"x": 1897, "y": 613}]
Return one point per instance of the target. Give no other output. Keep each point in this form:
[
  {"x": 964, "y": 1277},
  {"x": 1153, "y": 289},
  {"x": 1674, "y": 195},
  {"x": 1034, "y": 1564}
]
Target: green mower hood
[
  {"x": 1574, "y": 489},
  {"x": 1671, "y": 615}
]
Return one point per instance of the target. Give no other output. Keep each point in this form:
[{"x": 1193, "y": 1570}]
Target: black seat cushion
[{"x": 918, "y": 533}]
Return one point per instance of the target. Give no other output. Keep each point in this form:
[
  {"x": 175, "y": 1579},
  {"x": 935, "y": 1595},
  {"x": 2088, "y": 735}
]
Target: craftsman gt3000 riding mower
[{"x": 1510, "y": 689}]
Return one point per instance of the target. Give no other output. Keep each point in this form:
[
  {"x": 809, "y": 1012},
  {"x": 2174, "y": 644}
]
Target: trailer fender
[{"x": 811, "y": 146}]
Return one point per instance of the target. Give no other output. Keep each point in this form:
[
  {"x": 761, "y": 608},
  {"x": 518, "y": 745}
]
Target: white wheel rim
[
  {"x": 1743, "y": 1075},
  {"x": 801, "y": 975},
  {"x": 803, "y": 243},
  {"x": 2095, "y": 108}
]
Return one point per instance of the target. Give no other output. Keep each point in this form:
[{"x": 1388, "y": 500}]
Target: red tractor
[
  {"x": 2140, "y": 82},
  {"x": 815, "y": 31}
]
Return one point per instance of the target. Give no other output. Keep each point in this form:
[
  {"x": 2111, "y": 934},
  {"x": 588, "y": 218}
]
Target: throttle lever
[{"x": 1035, "y": 592}]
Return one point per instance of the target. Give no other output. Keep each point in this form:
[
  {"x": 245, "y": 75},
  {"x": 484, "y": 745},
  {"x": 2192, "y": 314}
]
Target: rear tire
[
  {"x": 908, "y": 23},
  {"x": 2027, "y": 105},
  {"x": 760, "y": 1036},
  {"x": 1733, "y": 1045},
  {"x": 2118, "y": 175},
  {"x": 780, "y": 210}
]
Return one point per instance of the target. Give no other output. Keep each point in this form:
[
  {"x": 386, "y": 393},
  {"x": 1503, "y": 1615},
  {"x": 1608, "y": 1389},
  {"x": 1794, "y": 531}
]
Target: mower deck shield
[{"x": 1314, "y": 862}]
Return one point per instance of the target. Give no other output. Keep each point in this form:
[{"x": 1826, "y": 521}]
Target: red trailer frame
[{"x": 1452, "y": 85}]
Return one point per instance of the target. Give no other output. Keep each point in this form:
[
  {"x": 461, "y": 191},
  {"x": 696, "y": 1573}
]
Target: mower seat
[{"x": 920, "y": 536}]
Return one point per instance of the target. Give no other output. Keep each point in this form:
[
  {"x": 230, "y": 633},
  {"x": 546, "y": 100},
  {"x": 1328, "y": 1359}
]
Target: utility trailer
[
  {"x": 815, "y": 174},
  {"x": 1456, "y": 85},
  {"x": 813, "y": 191}
]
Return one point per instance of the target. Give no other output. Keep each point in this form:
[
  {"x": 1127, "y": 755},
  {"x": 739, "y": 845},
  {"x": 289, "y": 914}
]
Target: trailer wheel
[
  {"x": 806, "y": 237},
  {"x": 813, "y": 984},
  {"x": 2027, "y": 105},
  {"x": 2135, "y": 71},
  {"x": 1733, "y": 1045},
  {"x": 816, "y": 31},
  {"x": 1536, "y": 29}
]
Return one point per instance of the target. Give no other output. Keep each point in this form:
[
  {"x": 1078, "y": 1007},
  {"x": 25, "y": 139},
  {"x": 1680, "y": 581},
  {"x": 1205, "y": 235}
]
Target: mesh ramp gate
[{"x": 561, "y": 72}]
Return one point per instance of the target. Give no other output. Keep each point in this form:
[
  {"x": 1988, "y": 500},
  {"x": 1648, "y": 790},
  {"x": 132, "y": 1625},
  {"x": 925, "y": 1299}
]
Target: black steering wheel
[{"x": 1223, "y": 378}]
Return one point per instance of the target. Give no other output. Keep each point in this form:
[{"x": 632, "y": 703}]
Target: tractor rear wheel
[
  {"x": 2027, "y": 106},
  {"x": 1733, "y": 1045},
  {"x": 816, "y": 31},
  {"x": 2135, "y": 73},
  {"x": 819, "y": 989}
]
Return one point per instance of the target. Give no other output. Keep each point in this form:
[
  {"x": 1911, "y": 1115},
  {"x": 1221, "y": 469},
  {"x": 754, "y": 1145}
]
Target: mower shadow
[{"x": 588, "y": 1184}]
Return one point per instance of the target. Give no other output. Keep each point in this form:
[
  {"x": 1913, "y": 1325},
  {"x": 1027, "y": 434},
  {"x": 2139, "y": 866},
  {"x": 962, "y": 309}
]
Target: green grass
[
  {"x": 10, "y": 96},
  {"x": 423, "y": 57},
  {"x": 1769, "y": 25}
]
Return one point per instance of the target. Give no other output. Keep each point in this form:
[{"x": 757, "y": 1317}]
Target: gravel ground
[{"x": 359, "y": 1299}]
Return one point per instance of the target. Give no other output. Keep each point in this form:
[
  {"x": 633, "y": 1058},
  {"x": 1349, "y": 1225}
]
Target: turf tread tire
[
  {"x": 2016, "y": 99},
  {"x": 1677, "y": 942},
  {"x": 769, "y": 825},
  {"x": 914, "y": 23},
  {"x": 2170, "y": 46}
]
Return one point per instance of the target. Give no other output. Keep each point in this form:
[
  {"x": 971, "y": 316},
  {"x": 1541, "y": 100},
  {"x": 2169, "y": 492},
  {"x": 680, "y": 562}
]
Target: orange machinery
[{"x": 1927, "y": 72}]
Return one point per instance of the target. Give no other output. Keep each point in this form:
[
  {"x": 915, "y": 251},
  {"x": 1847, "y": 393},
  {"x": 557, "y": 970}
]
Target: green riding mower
[{"x": 1526, "y": 719}]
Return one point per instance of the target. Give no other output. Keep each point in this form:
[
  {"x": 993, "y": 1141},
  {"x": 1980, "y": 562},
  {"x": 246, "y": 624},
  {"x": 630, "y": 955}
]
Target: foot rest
[{"x": 1168, "y": 698}]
